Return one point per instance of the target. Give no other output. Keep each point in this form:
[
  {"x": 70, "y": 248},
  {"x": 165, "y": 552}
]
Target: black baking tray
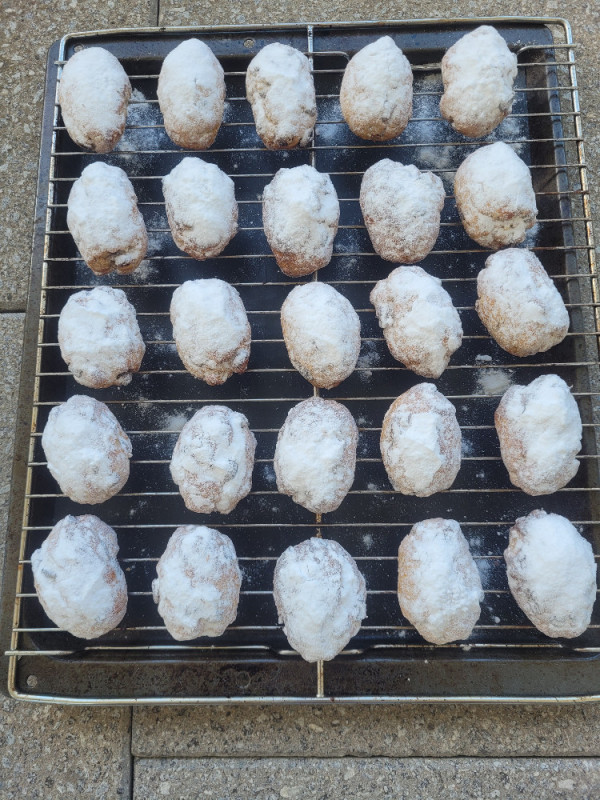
[{"x": 505, "y": 658}]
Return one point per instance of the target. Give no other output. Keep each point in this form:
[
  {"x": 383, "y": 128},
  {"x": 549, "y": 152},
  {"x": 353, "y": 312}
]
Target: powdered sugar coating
[
  {"x": 421, "y": 326},
  {"x": 494, "y": 196},
  {"x": 213, "y": 460},
  {"x": 551, "y": 573},
  {"x": 376, "y": 91},
  {"x": 86, "y": 449},
  {"x": 93, "y": 94},
  {"x": 191, "y": 94},
  {"x": 300, "y": 217},
  {"x": 519, "y": 303},
  {"x": 100, "y": 338},
  {"x": 320, "y": 597},
  {"x": 315, "y": 454},
  {"x": 78, "y": 579},
  {"x": 478, "y": 73},
  {"x": 401, "y": 207},
  {"x": 281, "y": 91},
  {"x": 439, "y": 588},
  {"x": 421, "y": 442},
  {"x": 539, "y": 428},
  {"x": 198, "y": 585},
  {"x": 321, "y": 331},
  {"x": 211, "y": 329},
  {"x": 201, "y": 207},
  {"x": 105, "y": 221}
]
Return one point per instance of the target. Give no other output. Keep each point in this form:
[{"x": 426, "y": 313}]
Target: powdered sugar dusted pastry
[
  {"x": 539, "y": 428},
  {"x": 300, "y": 217},
  {"x": 191, "y": 94},
  {"x": 315, "y": 454},
  {"x": 439, "y": 588},
  {"x": 100, "y": 338},
  {"x": 376, "y": 91},
  {"x": 519, "y": 304},
  {"x": 201, "y": 207},
  {"x": 401, "y": 207},
  {"x": 198, "y": 585},
  {"x": 281, "y": 91},
  {"x": 551, "y": 573},
  {"x": 321, "y": 331},
  {"x": 213, "y": 460},
  {"x": 421, "y": 442},
  {"x": 105, "y": 221},
  {"x": 86, "y": 449},
  {"x": 320, "y": 597},
  {"x": 211, "y": 329},
  {"x": 93, "y": 94},
  {"x": 478, "y": 73},
  {"x": 494, "y": 196},
  {"x": 78, "y": 579},
  {"x": 421, "y": 326}
]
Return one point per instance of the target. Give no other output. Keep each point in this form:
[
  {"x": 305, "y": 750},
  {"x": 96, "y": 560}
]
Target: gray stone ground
[{"x": 431, "y": 751}]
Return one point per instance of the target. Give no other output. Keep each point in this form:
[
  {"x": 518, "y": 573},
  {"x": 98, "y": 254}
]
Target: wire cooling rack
[{"x": 505, "y": 658}]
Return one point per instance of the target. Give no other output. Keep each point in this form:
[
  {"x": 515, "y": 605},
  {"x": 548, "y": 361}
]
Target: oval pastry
[
  {"x": 100, "y": 338},
  {"x": 105, "y": 221},
  {"x": 401, "y": 207},
  {"x": 320, "y": 597},
  {"x": 439, "y": 588},
  {"x": 198, "y": 585},
  {"x": 315, "y": 454},
  {"x": 191, "y": 94},
  {"x": 421, "y": 326},
  {"x": 280, "y": 89},
  {"x": 78, "y": 579},
  {"x": 300, "y": 218},
  {"x": 321, "y": 331},
  {"x": 494, "y": 196},
  {"x": 519, "y": 304},
  {"x": 201, "y": 207},
  {"x": 86, "y": 449},
  {"x": 376, "y": 91},
  {"x": 539, "y": 428},
  {"x": 551, "y": 573},
  {"x": 478, "y": 72},
  {"x": 213, "y": 460},
  {"x": 421, "y": 442},
  {"x": 93, "y": 93},
  {"x": 211, "y": 329}
]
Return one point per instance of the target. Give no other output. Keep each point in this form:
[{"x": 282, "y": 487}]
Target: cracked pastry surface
[
  {"x": 100, "y": 338},
  {"x": 320, "y": 597},
  {"x": 104, "y": 220},
  {"x": 213, "y": 460},
  {"x": 198, "y": 585},
  {"x": 86, "y": 449},
  {"x": 439, "y": 588},
  {"x": 78, "y": 579}
]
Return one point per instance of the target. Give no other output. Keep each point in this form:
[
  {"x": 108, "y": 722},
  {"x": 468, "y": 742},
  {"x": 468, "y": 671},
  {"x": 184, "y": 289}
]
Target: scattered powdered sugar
[
  {"x": 481, "y": 357},
  {"x": 198, "y": 584},
  {"x": 439, "y": 588},
  {"x": 78, "y": 578},
  {"x": 321, "y": 332},
  {"x": 551, "y": 573},
  {"x": 540, "y": 429},
  {"x": 315, "y": 454},
  {"x": 144, "y": 131},
  {"x": 172, "y": 422},
  {"x": 493, "y": 381},
  {"x": 280, "y": 89},
  {"x": 320, "y": 597},
  {"x": 421, "y": 326},
  {"x": 401, "y": 207},
  {"x": 213, "y": 460},
  {"x": 86, "y": 449}
]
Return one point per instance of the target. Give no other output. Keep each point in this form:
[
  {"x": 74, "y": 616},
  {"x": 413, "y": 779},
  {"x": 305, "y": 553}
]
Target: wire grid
[{"x": 544, "y": 128}]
